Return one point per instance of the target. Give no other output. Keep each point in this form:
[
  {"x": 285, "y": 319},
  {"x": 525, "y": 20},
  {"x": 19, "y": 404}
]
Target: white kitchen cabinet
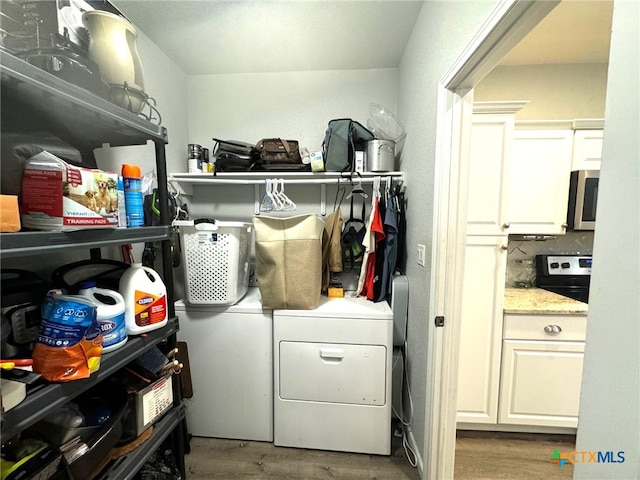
[
  {"x": 587, "y": 149},
  {"x": 539, "y": 190},
  {"x": 489, "y": 161},
  {"x": 481, "y": 329},
  {"x": 540, "y": 380}
]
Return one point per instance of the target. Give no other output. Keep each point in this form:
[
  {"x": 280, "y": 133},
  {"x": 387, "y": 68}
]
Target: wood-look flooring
[
  {"x": 513, "y": 456},
  {"x": 479, "y": 456}
]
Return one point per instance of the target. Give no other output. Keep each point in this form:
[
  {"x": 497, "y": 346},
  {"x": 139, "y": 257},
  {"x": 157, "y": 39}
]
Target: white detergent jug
[
  {"x": 110, "y": 315},
  {"x": 145, "y": 299}
]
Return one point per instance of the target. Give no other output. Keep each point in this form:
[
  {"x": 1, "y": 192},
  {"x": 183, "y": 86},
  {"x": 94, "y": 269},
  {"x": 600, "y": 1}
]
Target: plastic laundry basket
[{"x": 215, "y": 258}]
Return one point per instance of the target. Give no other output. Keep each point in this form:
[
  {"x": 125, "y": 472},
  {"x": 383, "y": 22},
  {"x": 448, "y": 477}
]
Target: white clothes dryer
[{"x": 332, "y": 376}]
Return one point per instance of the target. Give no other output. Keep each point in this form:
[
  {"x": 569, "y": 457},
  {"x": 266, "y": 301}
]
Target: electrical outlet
[{"x": 421, "y": 254}]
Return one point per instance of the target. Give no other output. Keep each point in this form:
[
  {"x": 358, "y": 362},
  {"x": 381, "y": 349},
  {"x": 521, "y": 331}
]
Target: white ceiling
[
  {"x": 222, "y": 37},
  {"x": 576, "y": 31},
  {"x": 243, "y": 36}
]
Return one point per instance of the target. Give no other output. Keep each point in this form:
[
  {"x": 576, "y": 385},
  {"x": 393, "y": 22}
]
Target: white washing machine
[
  {"x": 230, "y": 353},
  {"x": 332, "y": 376}
]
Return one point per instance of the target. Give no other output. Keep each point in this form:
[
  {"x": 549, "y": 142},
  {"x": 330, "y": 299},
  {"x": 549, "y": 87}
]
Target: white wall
[
  {"x": 293, "y": 105},
  {"x": 555, "y": 92},
  {"x": 610, "y": 401},
  {"x": 441, "y": 32}
]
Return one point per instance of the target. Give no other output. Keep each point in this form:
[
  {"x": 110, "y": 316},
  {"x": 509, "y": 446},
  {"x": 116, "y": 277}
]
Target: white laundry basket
[{"x": 215, "y": 258}]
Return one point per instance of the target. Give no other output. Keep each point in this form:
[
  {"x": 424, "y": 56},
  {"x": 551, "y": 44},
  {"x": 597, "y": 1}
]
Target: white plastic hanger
[
  {"x": 357, "y": 188},
  {"x": 267, "y": 204}
]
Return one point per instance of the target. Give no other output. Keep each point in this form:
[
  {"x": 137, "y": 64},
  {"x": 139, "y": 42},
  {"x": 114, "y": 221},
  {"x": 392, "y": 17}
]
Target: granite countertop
[{"x": 537, "y": 300}]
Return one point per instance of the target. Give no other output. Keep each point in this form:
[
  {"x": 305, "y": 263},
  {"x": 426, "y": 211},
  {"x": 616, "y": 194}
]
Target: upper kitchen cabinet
[
  {"x": 489, "y": 167},
  {"x": 539, "y": 189},
  {"x": 587, "y": 144}
]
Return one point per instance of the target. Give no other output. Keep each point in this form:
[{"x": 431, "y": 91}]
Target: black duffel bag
[{"x": 234, "y": 156}]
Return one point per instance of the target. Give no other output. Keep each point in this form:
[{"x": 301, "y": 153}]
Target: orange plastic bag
[{"x": 69, "y": 343}]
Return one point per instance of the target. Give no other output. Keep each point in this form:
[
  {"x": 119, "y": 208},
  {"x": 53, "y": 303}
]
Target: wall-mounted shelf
[
  {"x": 251, "y": 178},
  {"x": 184, "y": 182}
]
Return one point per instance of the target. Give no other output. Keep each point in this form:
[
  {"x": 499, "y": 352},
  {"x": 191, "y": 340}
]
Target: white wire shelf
[
  {"x": 253, "y": 178},
  {"x": 184, "y": 182}
]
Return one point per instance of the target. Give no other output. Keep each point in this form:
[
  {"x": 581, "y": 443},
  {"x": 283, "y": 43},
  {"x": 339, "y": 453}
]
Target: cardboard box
[{"x": 152, "y": 402}]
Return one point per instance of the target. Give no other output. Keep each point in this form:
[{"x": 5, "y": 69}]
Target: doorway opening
[{"x": 507, "y": 25}]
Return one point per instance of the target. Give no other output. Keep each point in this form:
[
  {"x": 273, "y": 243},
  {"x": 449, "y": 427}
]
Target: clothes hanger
[
  {"x": 357, "y": 189},
  {"x": 287, "y": 203},
  {"x": 267, "y": 204}
]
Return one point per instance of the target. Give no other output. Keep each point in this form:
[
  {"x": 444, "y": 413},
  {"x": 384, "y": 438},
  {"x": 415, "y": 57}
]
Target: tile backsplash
[{"x": 522, "y": 253}]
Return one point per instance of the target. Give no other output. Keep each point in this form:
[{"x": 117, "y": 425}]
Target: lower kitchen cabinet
[
  {"x": 536, "y": 380},
  {"x": 541, "y": 374},
  {"x": 540, "y": 383}
]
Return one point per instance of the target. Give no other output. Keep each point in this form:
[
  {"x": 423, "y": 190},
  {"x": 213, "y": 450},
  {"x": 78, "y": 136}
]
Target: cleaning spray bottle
[{"x": 145, "y": 299}]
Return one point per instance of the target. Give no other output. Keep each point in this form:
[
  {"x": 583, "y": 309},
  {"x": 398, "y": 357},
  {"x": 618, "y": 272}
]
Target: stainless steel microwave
[{"x": 583, "y": 200}]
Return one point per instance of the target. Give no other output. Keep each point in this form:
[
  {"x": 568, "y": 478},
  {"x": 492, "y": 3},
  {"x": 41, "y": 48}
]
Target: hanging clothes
[
  {"x": 374, "y": 227},
  {"x": 331, "y": 247},
  {"x": 390, "y": 248},
  {"x": 372, "y": 277},
  {"x": 401, "y": 256},
  {"x": 380, "y": 243}
]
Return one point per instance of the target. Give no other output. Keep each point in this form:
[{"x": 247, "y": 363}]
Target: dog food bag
[
  {"x": 69, "y": 343},
  {"x": 58, "y": 196}
]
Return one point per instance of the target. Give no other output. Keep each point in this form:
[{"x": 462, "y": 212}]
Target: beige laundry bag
[{"x": 289, "y": 261}]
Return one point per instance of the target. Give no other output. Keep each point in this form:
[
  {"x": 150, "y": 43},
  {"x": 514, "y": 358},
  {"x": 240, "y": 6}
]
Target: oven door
[{"x": 575, "y": 292}]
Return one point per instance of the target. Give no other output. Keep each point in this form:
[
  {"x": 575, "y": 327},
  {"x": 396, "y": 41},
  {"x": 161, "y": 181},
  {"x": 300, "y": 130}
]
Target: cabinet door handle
[
  {"x": 332, "y": 354},
  {"x": 552, "y": 329},
  {"x": 504, "y": 246},
  {"x": 506, "y": 225}
]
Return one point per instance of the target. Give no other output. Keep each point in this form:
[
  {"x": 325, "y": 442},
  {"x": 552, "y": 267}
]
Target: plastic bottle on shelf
[
  {"x": 122, "y": 209},
  {"x": 110, "y": 314},
  {"x": 145, "y": 299},
  {"x": 134, "y": 202}
]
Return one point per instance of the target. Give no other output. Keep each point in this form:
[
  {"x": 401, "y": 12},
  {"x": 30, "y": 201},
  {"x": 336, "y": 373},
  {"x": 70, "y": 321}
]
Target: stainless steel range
[{"x": 568, "y": 275}]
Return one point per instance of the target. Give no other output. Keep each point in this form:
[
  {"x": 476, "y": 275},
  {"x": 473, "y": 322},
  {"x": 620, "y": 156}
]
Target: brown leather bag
[{"x": 279, "y": 151}]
